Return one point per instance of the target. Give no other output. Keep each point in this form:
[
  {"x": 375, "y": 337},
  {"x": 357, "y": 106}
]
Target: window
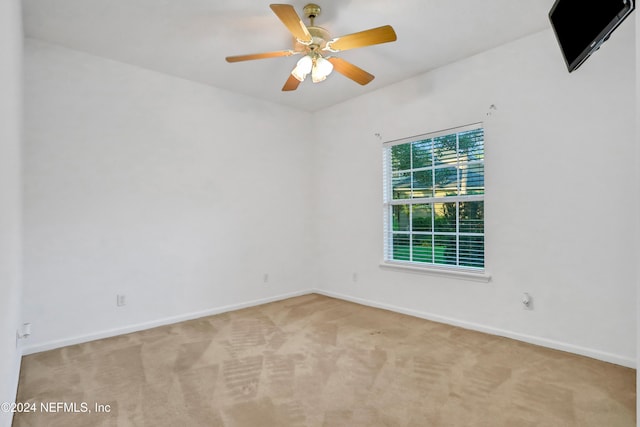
[{"x": 434, "y": 199}]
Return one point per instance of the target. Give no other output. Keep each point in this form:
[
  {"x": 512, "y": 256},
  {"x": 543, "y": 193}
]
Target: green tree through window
[{"x": 434, "y": 199}]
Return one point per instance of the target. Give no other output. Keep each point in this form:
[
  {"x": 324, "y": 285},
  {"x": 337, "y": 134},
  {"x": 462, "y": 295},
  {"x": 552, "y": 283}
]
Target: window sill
[{"x": 476, "y": 276}]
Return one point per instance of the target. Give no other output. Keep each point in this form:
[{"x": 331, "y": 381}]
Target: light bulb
[
  {"x": 303, "y": 68},
  {"x": 321, "y": 69}
]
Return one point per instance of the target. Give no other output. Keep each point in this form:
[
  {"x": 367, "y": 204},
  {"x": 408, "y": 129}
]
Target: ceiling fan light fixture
[
  {"x": 303, "y": 68},
  {"x": 321, "y": 69},
  {"x": 312, "y": 42}
]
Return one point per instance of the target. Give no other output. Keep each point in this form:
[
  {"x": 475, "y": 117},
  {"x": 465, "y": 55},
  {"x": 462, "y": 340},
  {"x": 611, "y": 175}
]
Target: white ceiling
[{"x": 191, "y": 38}]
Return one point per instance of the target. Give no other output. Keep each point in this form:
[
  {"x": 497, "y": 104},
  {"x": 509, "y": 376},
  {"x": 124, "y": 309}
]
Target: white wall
[
  {"x": 178, "y": 195},
  {"x": 638, "y": 218},
  {"x": 10, "y": 204},
  {"x": 560, "y": 191}
]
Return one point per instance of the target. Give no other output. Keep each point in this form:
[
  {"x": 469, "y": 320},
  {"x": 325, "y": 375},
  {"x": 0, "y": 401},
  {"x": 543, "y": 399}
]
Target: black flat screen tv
[{"x": 581, "y": 26}]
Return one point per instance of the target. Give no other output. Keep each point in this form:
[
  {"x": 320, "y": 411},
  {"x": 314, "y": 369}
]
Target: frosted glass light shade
[
  {"x": 321, "y": 69},
  {"x": 303, "y": 68}
]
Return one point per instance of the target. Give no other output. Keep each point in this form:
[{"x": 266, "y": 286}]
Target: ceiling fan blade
[
  {"x": 264, "y": 55},
  {"x": 349, "y": 70},
  {"x": 370, "y": 37},
  {"x": 291, "y": 84},
  {"x": 292, "y": 21}
]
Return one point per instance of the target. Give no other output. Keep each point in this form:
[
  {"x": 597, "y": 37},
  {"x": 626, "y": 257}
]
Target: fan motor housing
[{"x": 320, "y": 39}]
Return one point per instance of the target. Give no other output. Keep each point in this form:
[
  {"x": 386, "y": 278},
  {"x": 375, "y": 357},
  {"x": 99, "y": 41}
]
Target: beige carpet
[{"x": 318, "y": 361}]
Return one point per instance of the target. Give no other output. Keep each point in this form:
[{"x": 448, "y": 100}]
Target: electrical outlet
[
  {"x": 23, "y": 332},
  {"x": 527, "y": 301},
  {"x": 121, "y": 300}
]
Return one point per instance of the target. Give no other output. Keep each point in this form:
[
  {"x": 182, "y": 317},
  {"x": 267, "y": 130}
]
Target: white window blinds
[{"x": 434, "y": 199}]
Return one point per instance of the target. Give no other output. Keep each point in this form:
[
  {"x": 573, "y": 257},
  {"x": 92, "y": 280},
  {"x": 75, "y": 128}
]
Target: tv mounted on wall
[{"x": 581, "y": 26}]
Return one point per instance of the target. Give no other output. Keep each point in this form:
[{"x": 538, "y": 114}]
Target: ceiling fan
[{"x": 317, "y": 46}]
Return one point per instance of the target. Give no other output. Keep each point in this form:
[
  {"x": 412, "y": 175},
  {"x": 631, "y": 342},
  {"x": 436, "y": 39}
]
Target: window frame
[{"x": 441, "y": 269}]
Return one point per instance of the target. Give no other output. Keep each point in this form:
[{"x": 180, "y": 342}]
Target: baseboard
[
  {"x": 543, "y": 342},
  {"x": 155, "y": 323}
]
